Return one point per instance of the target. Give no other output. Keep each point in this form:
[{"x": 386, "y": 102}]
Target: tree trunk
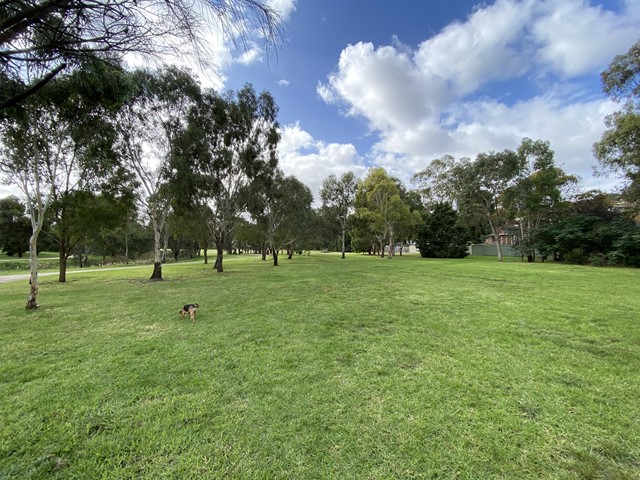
[
  {"x": 206, "y": 254},
  {"x": 264, "y": 251},
  {"x": 157, "y": 261},
  {"x": 219, "y": 254},
  {"x": 392, "y": 246},
  {"x": 33, "y": 278},
  {"x": 126, "y": 249},
  {"x": 62, "y": 275},
  {"x": 344, "y": 244},
  {"x": 157, "y": 271},
  {"x": 496, "y": 235},
  {"x": 165, "y": 242},
  {"x": 275, "y": 257}
]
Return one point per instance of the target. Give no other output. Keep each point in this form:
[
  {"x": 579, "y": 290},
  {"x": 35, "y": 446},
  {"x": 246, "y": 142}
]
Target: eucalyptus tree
[
  {"x": 480, "y": 187},
  {"x": 619, "y": 147},
  {"x": 58, "y": 142},
  {"x": 149, "y": 124},
  {"x": 435, "y": 182},
  {"x": 80, "y": 214},
  {"x": 338, "y": 198},
  {"x": 54, "y": 36},
  {"x": 285, "y": 213},
  {"x": 228, "y": 149},
  {"x": 537, "y": 197},
  {"x": 32, "y": 155},
  {"x": 378, "y": 202}
]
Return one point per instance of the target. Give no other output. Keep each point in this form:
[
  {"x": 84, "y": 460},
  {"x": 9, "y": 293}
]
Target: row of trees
[
  {"x": 100, "y": 148},
  {"x": 62, "y": 122},
  {"x": 369, "y": 215}
]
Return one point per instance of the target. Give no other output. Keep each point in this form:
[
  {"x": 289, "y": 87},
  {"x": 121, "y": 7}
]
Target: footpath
[{"x": 25, "y": 276}]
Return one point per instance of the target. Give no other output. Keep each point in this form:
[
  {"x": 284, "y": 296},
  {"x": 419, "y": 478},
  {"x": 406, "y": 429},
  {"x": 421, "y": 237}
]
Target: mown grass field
[{"x": 324, "y": 368}]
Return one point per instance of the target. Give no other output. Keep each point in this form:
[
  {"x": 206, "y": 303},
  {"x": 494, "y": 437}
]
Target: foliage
[
  {"x": 593, "y": 232},
  {"x": 445, "y": 368},
  {"x": 225, "y": 158},
  {"x": 619, "y": 147},
  {"x": 381, "y": 210},
  {"x": 435, "y": 183},
  {"x": 285, "y": 214},
  {"x": 40, "y": 39},
  {"x": 15, "y": 227},
  {"x": 480, "y": 187},
  {"x": 148, "y": 127},
  {"x": 441, "y": 234},
  {"x": 536, "y": 198},
  {"x": 338, "y": 200}
]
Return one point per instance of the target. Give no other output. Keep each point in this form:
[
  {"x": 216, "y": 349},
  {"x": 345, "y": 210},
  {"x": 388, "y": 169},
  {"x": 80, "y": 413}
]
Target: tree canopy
[
  {"x": 619, "y": 147},
  {"x": 39, "y": 39}
]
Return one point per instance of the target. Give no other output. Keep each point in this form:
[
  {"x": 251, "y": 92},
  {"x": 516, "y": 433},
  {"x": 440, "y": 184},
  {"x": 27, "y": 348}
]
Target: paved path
[{"x": 25, "y": 276}]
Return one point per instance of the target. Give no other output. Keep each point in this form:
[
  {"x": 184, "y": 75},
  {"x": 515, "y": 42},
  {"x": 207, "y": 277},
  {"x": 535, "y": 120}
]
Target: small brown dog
[{"x": 189, "y": 309}]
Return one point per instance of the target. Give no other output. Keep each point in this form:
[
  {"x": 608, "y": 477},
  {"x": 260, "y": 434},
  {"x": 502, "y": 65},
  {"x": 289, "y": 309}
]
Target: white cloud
[
  {"x": 488, "y": 46},
  {"x": 283, "y": 83},
  {"x": 311, "y": 161},
  {"x": 577, "y": 38},
  {"x": 253, "y": 54},
  {"x": 284, "y": 7},
  {"x": 425, "y": 104}
]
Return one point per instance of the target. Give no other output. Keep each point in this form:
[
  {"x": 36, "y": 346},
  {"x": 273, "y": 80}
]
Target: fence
[{"x": 492, "y": 250}]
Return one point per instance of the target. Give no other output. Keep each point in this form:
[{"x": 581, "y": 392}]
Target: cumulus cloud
[
  {"x": 576, "y": 38},
  {"x": 253, "y": 54},
  {"x": 283, "y": 83},
  {"x": 452, "y": 93},
  {"x": 311, "y": 161}
]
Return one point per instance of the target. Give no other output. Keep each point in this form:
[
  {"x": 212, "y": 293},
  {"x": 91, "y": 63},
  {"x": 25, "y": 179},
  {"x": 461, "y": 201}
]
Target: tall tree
[
  {"x": 285, "y": 213},
  {"x": 537, "y": 196},
  {"x": 379, "y": 202},
  {"x": 338, "y": 197},
  {"x": 480, "y": 187},
  {"x": 78, "y": 214},
  {"x": 149, "y": 125},
  {"x": 619, "y": 147},
  {"x": 54, "y": 36},
  {"x": 229, "y": 147},
  {"x": 435, "y": 183},
  {"x": 34, "y": 146},
  {"x": 60, "y": 140}
]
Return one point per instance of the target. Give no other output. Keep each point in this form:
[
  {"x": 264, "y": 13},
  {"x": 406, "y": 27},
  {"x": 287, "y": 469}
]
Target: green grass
[{"x": 322, "y": 368}]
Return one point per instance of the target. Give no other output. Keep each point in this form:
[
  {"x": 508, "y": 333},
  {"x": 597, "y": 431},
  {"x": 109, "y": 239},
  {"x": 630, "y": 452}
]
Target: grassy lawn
[{"x": 325, "y": 368}]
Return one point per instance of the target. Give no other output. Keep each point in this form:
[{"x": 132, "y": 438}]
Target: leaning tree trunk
[{"x": 496, "y": 235}]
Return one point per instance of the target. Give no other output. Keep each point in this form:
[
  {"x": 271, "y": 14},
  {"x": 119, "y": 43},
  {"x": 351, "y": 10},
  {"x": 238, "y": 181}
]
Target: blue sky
[{"x": 396, "y": 84}]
